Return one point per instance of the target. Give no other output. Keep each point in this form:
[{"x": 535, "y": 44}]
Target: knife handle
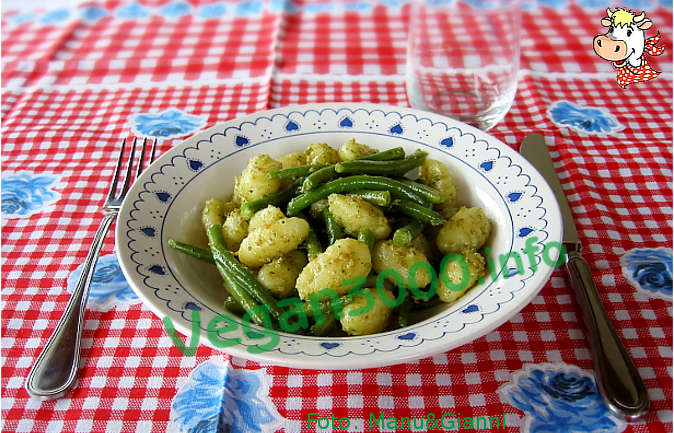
[{"x": 617, "y": 378}]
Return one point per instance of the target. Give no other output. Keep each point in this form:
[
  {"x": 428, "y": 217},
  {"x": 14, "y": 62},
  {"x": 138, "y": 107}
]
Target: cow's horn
[
  {"x": 639, "y": 18},
  {"x": 608, "y": 12}
]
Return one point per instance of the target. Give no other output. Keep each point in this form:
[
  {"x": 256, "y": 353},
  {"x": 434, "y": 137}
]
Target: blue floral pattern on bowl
[
  {"x": 649, "y": 270},
  {"x": 108, "y": 286},
  {"x": 559, "y": 398},
  {"x": 26, "y": 193},
  {"x": 171, "y": 123},
  {"x": 218, "y": 397},
  {"x": 583, "y": 120}
]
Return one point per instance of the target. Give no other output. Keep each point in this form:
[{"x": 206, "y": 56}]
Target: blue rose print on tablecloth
[
  {"x": 593, "y": 4},
  {"x": 26, "y": 193},
  {"x": 171, "y": 123},
  {"x": 638, "y": 5},
  {"x": 55, "y": 16},
  {"x": 584, "y": 120},
  {"x": 553, "y": 3},
  {"x": 133, "y": 11},
  {"x": 175, "y": 9},
  {"x": 213, "y": 10},
  {"x": 649, "y": 270},
  {"x": 23, "y": 17},
  {"x": 109, "y": 288},
  {"x": 249, "y": 8},
  {"x": 666, "y": 4},
  {"x": 219, "y": 397},
  {"x": 93, "y": 13},
  {"x": 559, "y": 398}
]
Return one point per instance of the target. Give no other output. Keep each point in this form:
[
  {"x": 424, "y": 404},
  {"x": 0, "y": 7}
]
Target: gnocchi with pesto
[{"x": 341, "y": 241}]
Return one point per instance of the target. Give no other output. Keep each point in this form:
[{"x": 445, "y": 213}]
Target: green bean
[
  {"x": 229, "y": 263},
  {"x": 313, "y": 244},
  {"x": 404, "y": 312},
  {"x": 418, "y": 212},
  {"x": 407, "y": 233},
  {"x": 327, "y": 319},
  {"x": 328, "y": 173},
  {"x": 236, "y": 290},
  {"x": 324, "y": 327},
  {"x": 333, "y": 229},
  {"x": 386, "y": 168},
  {"x": 431, "y": 194},
  {"x": 366, "y": 235},
  {"x": 354, "y": 183},
  {"x": 249, "y": 208},
  {"x": 233, "y": 305},
  {"x": 425, "y": 304},
  {"x": 318, "y": 177},
  {"x": 293, "y": 172},
  {"x": 316, "y": 208},
  {"x": 326, "y": 306},
  {"x": 386, "y": 155},
  {"x": 377, "y": 198},
  {"x": 192, "y": 250},
  {"x": 241, "y": 296}
]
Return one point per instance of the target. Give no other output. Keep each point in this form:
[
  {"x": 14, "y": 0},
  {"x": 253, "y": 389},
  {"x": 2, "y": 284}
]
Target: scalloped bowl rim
[{"x": 326, "y": 351}]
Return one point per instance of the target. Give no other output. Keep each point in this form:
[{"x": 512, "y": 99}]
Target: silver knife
[{"x": 617, "y": 378}]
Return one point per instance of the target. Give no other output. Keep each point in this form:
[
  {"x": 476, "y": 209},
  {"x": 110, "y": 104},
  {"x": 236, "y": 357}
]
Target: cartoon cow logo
[{"x": 624, "y": 44}]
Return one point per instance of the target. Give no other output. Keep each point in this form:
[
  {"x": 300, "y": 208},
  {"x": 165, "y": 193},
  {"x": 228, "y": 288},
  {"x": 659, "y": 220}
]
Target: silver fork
[{"x": 55, "y": 370}]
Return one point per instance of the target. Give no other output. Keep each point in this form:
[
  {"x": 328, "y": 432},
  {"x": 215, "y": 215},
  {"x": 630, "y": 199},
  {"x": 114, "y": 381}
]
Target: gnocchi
[
  {"x": 345, "y": 259},
  {"x": 475, "y": 265},
  {"x": 280, "y": 274},
  {"x": 469, "y": 228},
  {"x": 371, "y": 318},
  {"x": 234, "y": 229},
  {"x": 265, "y": 217},
  {"x": 341, "y": 241},
  {"x": 436, "y": 175},
  {"x": 254, "y": 182},
  {"x": 321, "y": 153},
  {"x": 387, "y": 255},
  {"x": 355, "y": 214},
  {"x": 353, "y": 149},
  {"x": 267, "y": 243}
]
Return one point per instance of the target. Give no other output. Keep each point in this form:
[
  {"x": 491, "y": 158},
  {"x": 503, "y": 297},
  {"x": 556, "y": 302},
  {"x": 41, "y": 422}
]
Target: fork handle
[
  {"x": 617, "y": 378},
  {"x": 55, "y": 370}
]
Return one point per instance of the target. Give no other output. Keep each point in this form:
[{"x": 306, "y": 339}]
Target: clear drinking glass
[{"x": 463, "y": 58}]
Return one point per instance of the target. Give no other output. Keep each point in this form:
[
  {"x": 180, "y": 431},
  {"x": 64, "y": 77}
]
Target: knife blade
[{"x": 617, "y": 378}]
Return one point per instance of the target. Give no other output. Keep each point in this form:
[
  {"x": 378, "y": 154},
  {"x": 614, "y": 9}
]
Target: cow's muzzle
[{"x": 608, "y": 49}]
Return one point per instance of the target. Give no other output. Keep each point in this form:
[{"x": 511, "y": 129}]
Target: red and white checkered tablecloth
[{"x": 72, "y": 78}]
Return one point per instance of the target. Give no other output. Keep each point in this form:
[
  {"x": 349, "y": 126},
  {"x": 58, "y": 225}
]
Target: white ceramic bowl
[{"x": 165, "y": 202}]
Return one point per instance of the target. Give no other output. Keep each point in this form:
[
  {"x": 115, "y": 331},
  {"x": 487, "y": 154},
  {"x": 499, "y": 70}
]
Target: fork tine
[
  {"x": 154, "y": 148},
  {"x": 139, "y": 170},
  {"x": 115, "y": 176},
  {"x": 129, "y": 169}
]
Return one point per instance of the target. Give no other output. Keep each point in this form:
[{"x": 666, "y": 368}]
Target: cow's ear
[
  {"x": 647, "y": 24},
  {"x": 606, "y": 22}
]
